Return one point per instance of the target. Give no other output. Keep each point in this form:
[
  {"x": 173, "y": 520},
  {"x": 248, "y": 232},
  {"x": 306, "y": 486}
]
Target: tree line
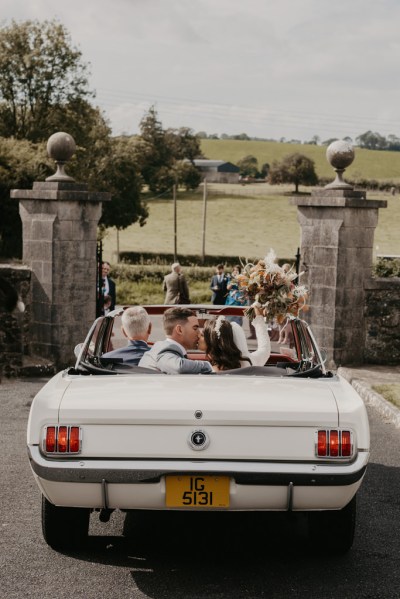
[
  {"x": 44, "y": 88},
  {"x": 370, "y": 140}
]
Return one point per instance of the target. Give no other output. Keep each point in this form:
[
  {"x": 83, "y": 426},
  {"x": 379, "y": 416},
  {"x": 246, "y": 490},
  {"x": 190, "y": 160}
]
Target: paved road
[{"x": 193, "y": 556}]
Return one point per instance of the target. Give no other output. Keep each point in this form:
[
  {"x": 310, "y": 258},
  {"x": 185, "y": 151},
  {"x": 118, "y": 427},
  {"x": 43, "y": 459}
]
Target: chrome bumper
[{"x": 73, "y": 470}]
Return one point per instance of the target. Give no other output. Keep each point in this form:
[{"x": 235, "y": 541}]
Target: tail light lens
[
  {"x": 347, "y": 445},
  {"x": 62, "y": 440},
  {"x": 50, "y": 441},
  {"x": 334, "y": 443}
]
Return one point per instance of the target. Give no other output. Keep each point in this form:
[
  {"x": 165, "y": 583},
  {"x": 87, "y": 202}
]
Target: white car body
[{"x": 260, "y": 433}]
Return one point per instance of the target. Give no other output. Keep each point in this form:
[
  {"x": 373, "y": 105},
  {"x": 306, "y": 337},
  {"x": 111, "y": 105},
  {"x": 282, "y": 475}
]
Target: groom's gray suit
[{"x": 168, "y": 357}]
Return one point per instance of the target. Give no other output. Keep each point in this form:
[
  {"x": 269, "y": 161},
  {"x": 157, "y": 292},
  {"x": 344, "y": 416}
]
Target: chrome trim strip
[{"x": 150, "y": 471}]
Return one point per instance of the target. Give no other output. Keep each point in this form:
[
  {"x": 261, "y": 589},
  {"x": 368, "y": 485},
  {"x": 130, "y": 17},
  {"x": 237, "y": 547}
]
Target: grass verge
[{"x": 389, "y": 392}]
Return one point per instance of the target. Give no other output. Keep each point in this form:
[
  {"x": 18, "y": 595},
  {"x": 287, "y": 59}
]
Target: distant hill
[{"x": 368, "y": 164}]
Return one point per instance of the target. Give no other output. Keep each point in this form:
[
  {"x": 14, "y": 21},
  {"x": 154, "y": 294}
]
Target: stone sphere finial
[
  {"x": 340, "y": 154},
  {"x": 61, "y": 147}
]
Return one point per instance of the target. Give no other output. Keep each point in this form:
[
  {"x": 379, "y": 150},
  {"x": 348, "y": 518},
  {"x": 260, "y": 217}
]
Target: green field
[
  {"x": 246, "y": 221},
  {"x": 368, "y": 164},
  {"x": 242, "y": 226}
]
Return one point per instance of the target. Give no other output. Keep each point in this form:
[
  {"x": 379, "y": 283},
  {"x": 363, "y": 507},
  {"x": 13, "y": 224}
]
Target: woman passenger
[{"x": 226, "y": 347}]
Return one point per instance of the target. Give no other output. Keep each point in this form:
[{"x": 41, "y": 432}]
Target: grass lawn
[
  {"x": 246, "y": 225},
  {"x": 368, "y": 164},
  {"x": 389, "y": 392}
]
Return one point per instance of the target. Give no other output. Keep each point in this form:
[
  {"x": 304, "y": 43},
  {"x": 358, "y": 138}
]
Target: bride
[{"x": 225, "y": 343}]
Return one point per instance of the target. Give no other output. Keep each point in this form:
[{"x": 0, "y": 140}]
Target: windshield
[{"x": 292, "y": 344}]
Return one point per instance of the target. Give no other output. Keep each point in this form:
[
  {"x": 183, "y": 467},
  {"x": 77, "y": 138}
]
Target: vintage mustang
[{"x": 288, "y": 436}]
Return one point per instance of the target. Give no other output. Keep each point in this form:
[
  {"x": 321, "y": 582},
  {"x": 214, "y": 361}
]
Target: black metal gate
[{"x": 99, "y": 281}]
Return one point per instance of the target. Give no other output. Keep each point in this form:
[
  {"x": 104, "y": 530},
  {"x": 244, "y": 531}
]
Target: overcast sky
[{"x": 268, "y": 68}]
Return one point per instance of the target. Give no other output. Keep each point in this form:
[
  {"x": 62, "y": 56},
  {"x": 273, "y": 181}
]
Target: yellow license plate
[{"x": 197, "y": 491}]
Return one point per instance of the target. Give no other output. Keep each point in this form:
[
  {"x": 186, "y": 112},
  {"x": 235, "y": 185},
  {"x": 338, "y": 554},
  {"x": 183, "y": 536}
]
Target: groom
[{"x": 182, "y": 331}]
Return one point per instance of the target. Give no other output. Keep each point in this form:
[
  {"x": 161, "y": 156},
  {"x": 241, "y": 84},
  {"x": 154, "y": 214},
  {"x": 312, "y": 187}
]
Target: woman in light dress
[{"x": 225, "y": 343}]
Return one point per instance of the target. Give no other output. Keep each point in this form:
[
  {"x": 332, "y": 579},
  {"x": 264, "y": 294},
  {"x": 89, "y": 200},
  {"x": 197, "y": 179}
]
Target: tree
[
  {"x": 119, "y": 174},
  {"x": 43, "y": 89},
  {"x": 40, "y": 74},
  {"x": 21, "y": 163},
  {"x": 371, "y": 141},
  {"x": 159, "y": 152},
  {"x": 248, "y": 166},
  {"x": 294, "y": 168},
  {"x": 393, "y": 143},
  {"x": 155, "y": 156},
  {"x": 184, "y": 144},
  {"x": 314, "y": 141},
  {"x": 264, "y": 170}
]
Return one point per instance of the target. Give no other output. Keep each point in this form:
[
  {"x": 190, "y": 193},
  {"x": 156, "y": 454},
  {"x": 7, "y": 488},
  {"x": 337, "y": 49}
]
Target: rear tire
[
  {"x": 64, "y": 527},
  {"x": 332, "y": 532}
]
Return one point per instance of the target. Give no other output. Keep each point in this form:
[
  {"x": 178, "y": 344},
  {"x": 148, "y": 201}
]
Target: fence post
[{"x": 203, "y": 250}]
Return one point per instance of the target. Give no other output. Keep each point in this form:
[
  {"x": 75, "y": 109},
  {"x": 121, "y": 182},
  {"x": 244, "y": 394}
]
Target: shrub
[{"x": 387, "y": 267}]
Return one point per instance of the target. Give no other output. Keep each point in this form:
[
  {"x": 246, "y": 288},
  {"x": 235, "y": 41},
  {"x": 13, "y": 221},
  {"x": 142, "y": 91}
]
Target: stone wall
[{"x": 382, "y": 321}]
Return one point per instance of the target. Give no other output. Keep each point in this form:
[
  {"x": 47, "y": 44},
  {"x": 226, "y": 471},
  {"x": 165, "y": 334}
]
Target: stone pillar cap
[
  {"x": 61, "y": 147},
  {"x": 340, "y": 154}
]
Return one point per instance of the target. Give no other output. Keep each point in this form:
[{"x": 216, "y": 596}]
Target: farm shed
[{"x": 218, "y": 171}]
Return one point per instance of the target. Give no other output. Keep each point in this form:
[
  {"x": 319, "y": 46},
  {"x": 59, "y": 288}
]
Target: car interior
[{"x": 298, "y": 356}]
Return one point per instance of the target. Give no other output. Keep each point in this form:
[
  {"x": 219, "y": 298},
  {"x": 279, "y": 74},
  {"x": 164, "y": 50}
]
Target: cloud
[{"x": 272, "y": 69}]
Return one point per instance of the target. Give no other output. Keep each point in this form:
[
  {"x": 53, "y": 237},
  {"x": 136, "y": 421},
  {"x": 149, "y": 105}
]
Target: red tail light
[
  {"x": 322, "y": 444},
  {"x": 50, "y": 444},
  {"x": 62, "y": 439},
  {"x": 347, "y": 445},
  {"x": 74, "y": 439},
  {"x": 334, "y": 443}
]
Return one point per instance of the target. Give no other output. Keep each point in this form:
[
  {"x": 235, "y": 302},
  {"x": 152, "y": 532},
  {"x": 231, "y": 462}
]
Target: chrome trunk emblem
[{"x": 198, "y": 440}]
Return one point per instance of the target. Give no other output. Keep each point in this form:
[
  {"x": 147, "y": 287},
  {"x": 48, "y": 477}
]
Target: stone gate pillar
[
  {"x": 59, "y": 222},
  {"x": 337, "y": 236}
]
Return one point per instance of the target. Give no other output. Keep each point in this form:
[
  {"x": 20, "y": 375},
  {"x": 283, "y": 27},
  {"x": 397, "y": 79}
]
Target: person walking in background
[
  {"x": 136, "y": 326},
  {"x": 175, "y": 286},
  {"x": 218, "y": 286},
  {"x": 108, "y": 287}
]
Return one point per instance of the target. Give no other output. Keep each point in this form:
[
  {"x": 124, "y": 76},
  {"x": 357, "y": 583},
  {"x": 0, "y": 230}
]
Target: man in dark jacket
[
  {"x": 218, "y": 286},
  {"x": 136, "y": 327}
]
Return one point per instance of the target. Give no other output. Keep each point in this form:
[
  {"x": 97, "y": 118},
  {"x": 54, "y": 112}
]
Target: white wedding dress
[{"x": 263, "y": 351}]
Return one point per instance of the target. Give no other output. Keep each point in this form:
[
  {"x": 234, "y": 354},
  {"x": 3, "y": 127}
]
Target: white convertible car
[{"x": 288, "y": 436}]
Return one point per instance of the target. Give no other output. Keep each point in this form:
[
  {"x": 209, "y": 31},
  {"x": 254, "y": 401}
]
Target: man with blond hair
[{"x": 136, "y": 326}]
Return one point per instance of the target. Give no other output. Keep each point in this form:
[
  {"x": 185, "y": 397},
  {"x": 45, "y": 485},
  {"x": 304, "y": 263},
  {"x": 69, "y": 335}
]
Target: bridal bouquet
[{"x": 271, "y": 287}]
